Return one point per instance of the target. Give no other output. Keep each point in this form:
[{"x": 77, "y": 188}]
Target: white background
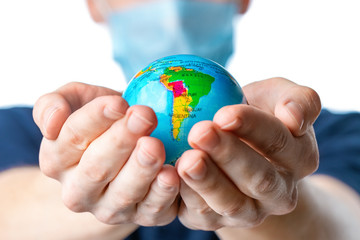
[{"x": 47, "y": 43}]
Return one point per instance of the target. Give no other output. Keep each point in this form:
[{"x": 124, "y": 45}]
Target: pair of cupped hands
[{"x": 244, "y": 166}]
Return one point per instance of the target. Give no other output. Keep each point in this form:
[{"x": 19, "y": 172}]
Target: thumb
[
  {"x": 296, "y": 106},
  {"x": 51, "y": 110}
]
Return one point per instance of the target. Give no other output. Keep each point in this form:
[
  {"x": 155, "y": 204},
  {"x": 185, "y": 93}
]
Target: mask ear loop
[{"x": 103, "y": 7}]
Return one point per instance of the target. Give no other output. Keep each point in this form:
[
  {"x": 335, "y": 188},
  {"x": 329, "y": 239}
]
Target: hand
[
  {"x": 100, "y": 150},
  {"x": 247, "y": 162}
]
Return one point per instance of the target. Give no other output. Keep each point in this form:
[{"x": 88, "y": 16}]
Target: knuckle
[
  {"x": 264, "y": 183},
  {"x": 247, "y": 218},
  {"x": 208, "y": 222},
  {"x": 123, "y": 144},
  {"x": 105, "y": 216},
  {"x": 228, "y": 157},
  {"x": 73, "y": 202},
  {"x": 204, "y": 210},
  {"x": 48, "y": 169},
  {"x": 256, "y": 219},
  {"x": 120, "y": 101},
  {"x": 291, "y": 200},
  {"x": 277, "y": 144},
  {"x": 77, "y": 140},
  {"x": 97, "y": 173},
  {"x": 115, "y": 102},
  {"x": 72, "y": 85},
  {"x": 153, "y": 209},
  {"x": 287, "y": 204},
  {"x": 276, "y": 80},
  {"x": 227, "y": 112},
  {"x": 231, "y": 211},
  {"x": 125, "y": 201},
  {"x": 211, "y": 186},
  {"x": 244, "y": 214},
  {"x": 109, "y": 216}
]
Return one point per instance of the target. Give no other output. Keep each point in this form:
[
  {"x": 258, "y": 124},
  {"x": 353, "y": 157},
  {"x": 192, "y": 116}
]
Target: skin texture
[
  {"x": 276, "y": 199},
  {"x": 247, "y": 176},
  {"x": 242, "y": 154},
  {"x": 81, "y": 125}
]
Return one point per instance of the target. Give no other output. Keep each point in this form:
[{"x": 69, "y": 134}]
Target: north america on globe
[{"x": 182, "y": 90}]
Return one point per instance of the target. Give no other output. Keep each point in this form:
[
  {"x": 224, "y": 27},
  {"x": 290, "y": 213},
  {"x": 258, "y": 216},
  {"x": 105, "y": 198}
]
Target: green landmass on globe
[
  {"x": 182, "y": 90},
  {"x": 185, "y": 87}
]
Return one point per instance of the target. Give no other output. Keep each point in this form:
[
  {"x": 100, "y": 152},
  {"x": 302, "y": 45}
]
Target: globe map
[{"x": 182, "y": 90}]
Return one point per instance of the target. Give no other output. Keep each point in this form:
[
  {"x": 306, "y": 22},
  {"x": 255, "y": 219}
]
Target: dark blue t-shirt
[
  {"x": 338, "y": 137},
  {"x": 19, "y": 138}
]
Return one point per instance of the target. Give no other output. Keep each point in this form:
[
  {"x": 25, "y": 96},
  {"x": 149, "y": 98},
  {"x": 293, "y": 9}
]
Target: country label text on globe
[{"x": 182, "y": 90}]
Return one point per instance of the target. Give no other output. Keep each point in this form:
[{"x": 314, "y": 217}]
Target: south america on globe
[{"x": 182, "y": 90}]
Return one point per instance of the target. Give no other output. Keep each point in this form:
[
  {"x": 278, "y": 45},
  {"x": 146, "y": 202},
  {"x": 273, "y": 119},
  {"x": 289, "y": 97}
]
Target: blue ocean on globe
[{"x": 182, "y": 90}]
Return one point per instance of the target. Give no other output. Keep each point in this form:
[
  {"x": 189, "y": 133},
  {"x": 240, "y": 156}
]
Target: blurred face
[
  {"x": 125, "y": 3},
  {"x": 98, "y": 8},
  {"x": 144, "y": 30}
]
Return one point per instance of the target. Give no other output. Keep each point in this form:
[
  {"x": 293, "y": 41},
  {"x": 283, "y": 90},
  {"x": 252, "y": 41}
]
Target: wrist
[
  {"x": 326, "y": 209},
  {"x": 296, "y": 223}
]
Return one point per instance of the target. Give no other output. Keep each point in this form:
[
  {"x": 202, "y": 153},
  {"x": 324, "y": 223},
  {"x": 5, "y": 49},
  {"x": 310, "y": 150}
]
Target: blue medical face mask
[{"x": 153, "y": 30}]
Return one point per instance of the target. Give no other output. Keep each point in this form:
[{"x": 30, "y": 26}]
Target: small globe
[{"x": 182, "y": 90}]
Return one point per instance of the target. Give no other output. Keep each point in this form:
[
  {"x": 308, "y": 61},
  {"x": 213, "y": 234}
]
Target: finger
[
  {"x": 159, "y": 207},
  {"x": 222, "y": 196},
  {"x": 132, "y": 183},
  {"x": 107, "y": 155},
  {"x": 51, "y": 110},
  {"x": 49, "y": 113},
  {"x": 195, "y": 213},
  {"x": 79, "y": 130},
  {"x": 270, "y": 138},
  {"x": 296, "y": 106},
  {"x": 249, "y": 171}
]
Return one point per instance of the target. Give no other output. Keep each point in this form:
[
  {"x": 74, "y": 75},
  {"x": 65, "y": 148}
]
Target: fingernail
[
  {"x": 231, "y": 125},
  {"x": 145, "y": 158},
  {"x": 208, "y": 140},
  {"x": 197, "y": 171},
  {"x": 49, "y": 114},
  {"x": 163, "y": 185},
  {"x": 111, "y": 113},
  {"x": 296, "y": 112},
  {"x": 138, "y": 124}
]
